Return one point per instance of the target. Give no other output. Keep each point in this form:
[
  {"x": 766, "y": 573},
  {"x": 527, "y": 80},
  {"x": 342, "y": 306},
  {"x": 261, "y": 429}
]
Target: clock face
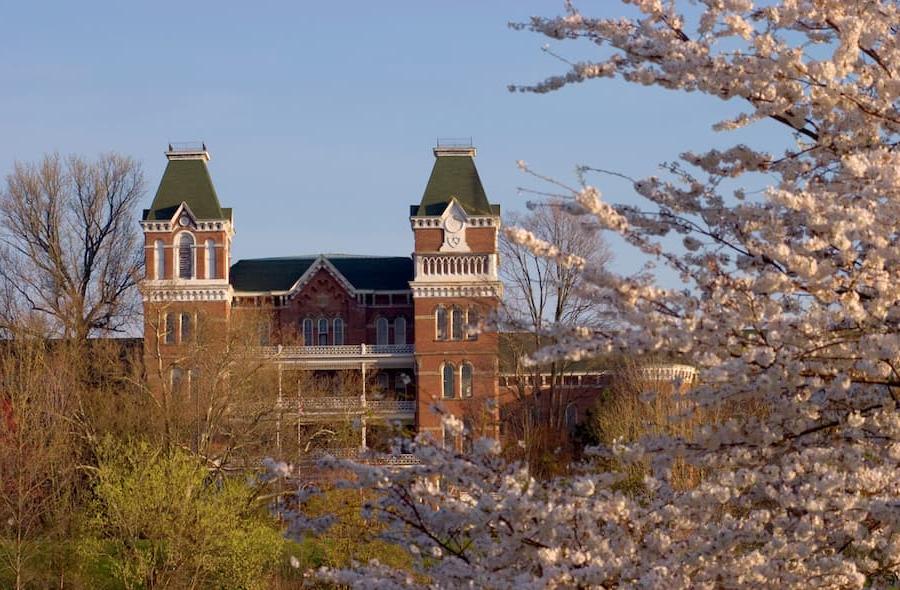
[
  {"x": 453, "y": 224},
  {"x": 184, "y": 221}
]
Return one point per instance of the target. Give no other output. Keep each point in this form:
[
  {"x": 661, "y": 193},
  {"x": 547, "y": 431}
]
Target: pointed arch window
[
  {"x": 338, "y": 332},
  {"x": 465, "y": 380},
  {"x": 456, "y": 323},
  {"x": 400, "y": 330},
  {"x": 323, "y": 332},
  {"x": 210, "y": 261},
  {"x": 159, "y": 259},
  {"x": 448, "y": 377},
  {"x": 186, "y": 256},
  {"x": 440, "y": 320},
  {"x": 307, "y": 332},
  {"x": 381, "y": 331}
]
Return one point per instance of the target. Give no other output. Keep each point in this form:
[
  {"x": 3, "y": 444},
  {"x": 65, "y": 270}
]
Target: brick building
[{"x": 395, "y": 335}]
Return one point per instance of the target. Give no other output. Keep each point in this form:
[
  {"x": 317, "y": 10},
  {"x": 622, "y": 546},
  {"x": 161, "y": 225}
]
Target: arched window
[
  {"x": 472, "y": 326},
  {"x": 571, "y": 416},
  {"x": 159, "y": 259},
  {"x": 338, "y": 332},
  {"x": 449, "y": 381},
  {"x": 456, "y": 323},
  {"x": 308, "y": 332},
  {"x": 210, "y": 261},
  {"x": 440, "y": 320},
  {"x": 187, "y": 330},
  {"x": 381, "y": 331},
  {"x": 465, "y": 380},
  {"x": 170, "y": 328},
  {"x": 323, "y": 332},
  {"x": 400, "y": 330},
  {"x": 186, "y": 256}
]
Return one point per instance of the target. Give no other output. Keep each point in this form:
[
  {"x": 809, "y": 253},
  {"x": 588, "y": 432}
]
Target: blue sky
[{"x": 320, "y": 117}]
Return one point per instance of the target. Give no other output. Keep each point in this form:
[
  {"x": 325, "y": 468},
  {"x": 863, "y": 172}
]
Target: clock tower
[
  {"x": 455, "y": 288},
  {"x": 187, "y": 248}
]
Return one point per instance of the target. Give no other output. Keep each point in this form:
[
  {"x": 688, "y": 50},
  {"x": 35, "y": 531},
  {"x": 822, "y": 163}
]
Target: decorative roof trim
[
  {"x": 187, "y": 292},
  {"x": 320, "y": 262},
  {"x": 472, "y": 290},
  {"x": 198, "y": 224},
  {"x": 435, "y": 221}
]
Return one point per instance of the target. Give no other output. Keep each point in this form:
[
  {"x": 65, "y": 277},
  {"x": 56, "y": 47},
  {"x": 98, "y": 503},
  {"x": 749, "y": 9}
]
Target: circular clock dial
[
  {"x": 453, "y": 224},
  {"x": 183, "y": 221}
]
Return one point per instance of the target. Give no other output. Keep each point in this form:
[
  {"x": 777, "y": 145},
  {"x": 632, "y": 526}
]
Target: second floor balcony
[
  {"x": 340, "y": 406},
  {"x": 343, "y": 356}
]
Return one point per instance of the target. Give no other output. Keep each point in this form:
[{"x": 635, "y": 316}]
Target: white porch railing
[
  {"x": 363, "y": 456},
  {"x": 346, "y": 350},
  {"x": 346, "y": 404}
]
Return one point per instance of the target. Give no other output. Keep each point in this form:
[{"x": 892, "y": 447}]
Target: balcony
[
  {"x": 346, "y": 356},
  {"x": 331, "y": 407},
  {"x": 361, "y": 455}
]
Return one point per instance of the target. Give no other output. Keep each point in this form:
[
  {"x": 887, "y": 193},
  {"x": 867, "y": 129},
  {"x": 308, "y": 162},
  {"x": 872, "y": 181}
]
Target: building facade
[{"x": 394, "y": 340}]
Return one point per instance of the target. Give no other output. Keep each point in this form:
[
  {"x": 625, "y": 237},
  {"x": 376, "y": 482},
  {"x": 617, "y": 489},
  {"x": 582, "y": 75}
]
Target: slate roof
[
  {"x": 454, "y": 176},
  {"x": 365, "y": 273},
  {"x": 186, "y": 181}
]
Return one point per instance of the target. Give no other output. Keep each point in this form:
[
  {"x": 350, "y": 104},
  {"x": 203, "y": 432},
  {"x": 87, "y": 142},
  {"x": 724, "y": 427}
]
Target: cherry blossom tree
[{"x": 793, "y": 307}]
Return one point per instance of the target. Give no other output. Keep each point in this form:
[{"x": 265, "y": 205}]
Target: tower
[
  {"x": 187, "y": 247},
  {"x": 455, "y": 287}
]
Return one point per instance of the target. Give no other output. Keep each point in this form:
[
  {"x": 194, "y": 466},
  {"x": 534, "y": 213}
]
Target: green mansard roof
[
  {"x": 186, "y": 180},
  {"x": 454, "y": 175},
  {"x": 365, "y": 273}
]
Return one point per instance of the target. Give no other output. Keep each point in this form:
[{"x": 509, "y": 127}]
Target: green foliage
[
  {"x": 350, "y": 538},
  {"x": 162, "y": 521}
]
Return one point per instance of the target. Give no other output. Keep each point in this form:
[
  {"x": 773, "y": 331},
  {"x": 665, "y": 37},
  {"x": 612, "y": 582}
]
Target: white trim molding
[
  {"x": 487, "y": 289},
  {"x": 158, "y": 291}
]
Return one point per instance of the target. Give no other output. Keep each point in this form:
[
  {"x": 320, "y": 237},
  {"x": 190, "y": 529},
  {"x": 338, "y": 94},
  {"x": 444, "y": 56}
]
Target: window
[
  {"x": 381, "y": 331},
  {"x": 176, "y": 379},
  {"x": 468, "y": 435},
  {"x": 440, "y": 320},
  {"x": 571, "y": 416},
  {"x": 159, "y": 259},
  {"x": 449, "y": 438},
  {"x": 186, "y": 256},
  {"x": 449, "y": 378},
  {"x": 323, "y": 332},
  {"x": 307, "y": 332},
  {"x": 400, "y": 330},
  {"x": 472, "y": 326},
  {"x": 456, "y": 324},
  {"x": 170, "y": 328},
  {"x": 338, "y": 332},
  {"x": 210, "y": 262},
  {"x": 465, "y": 380},
  {"x": 186, "y": 327}
]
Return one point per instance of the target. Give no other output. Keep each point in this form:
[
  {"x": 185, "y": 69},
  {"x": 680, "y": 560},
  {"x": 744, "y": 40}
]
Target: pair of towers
[{"x": 453, "y": 282}]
